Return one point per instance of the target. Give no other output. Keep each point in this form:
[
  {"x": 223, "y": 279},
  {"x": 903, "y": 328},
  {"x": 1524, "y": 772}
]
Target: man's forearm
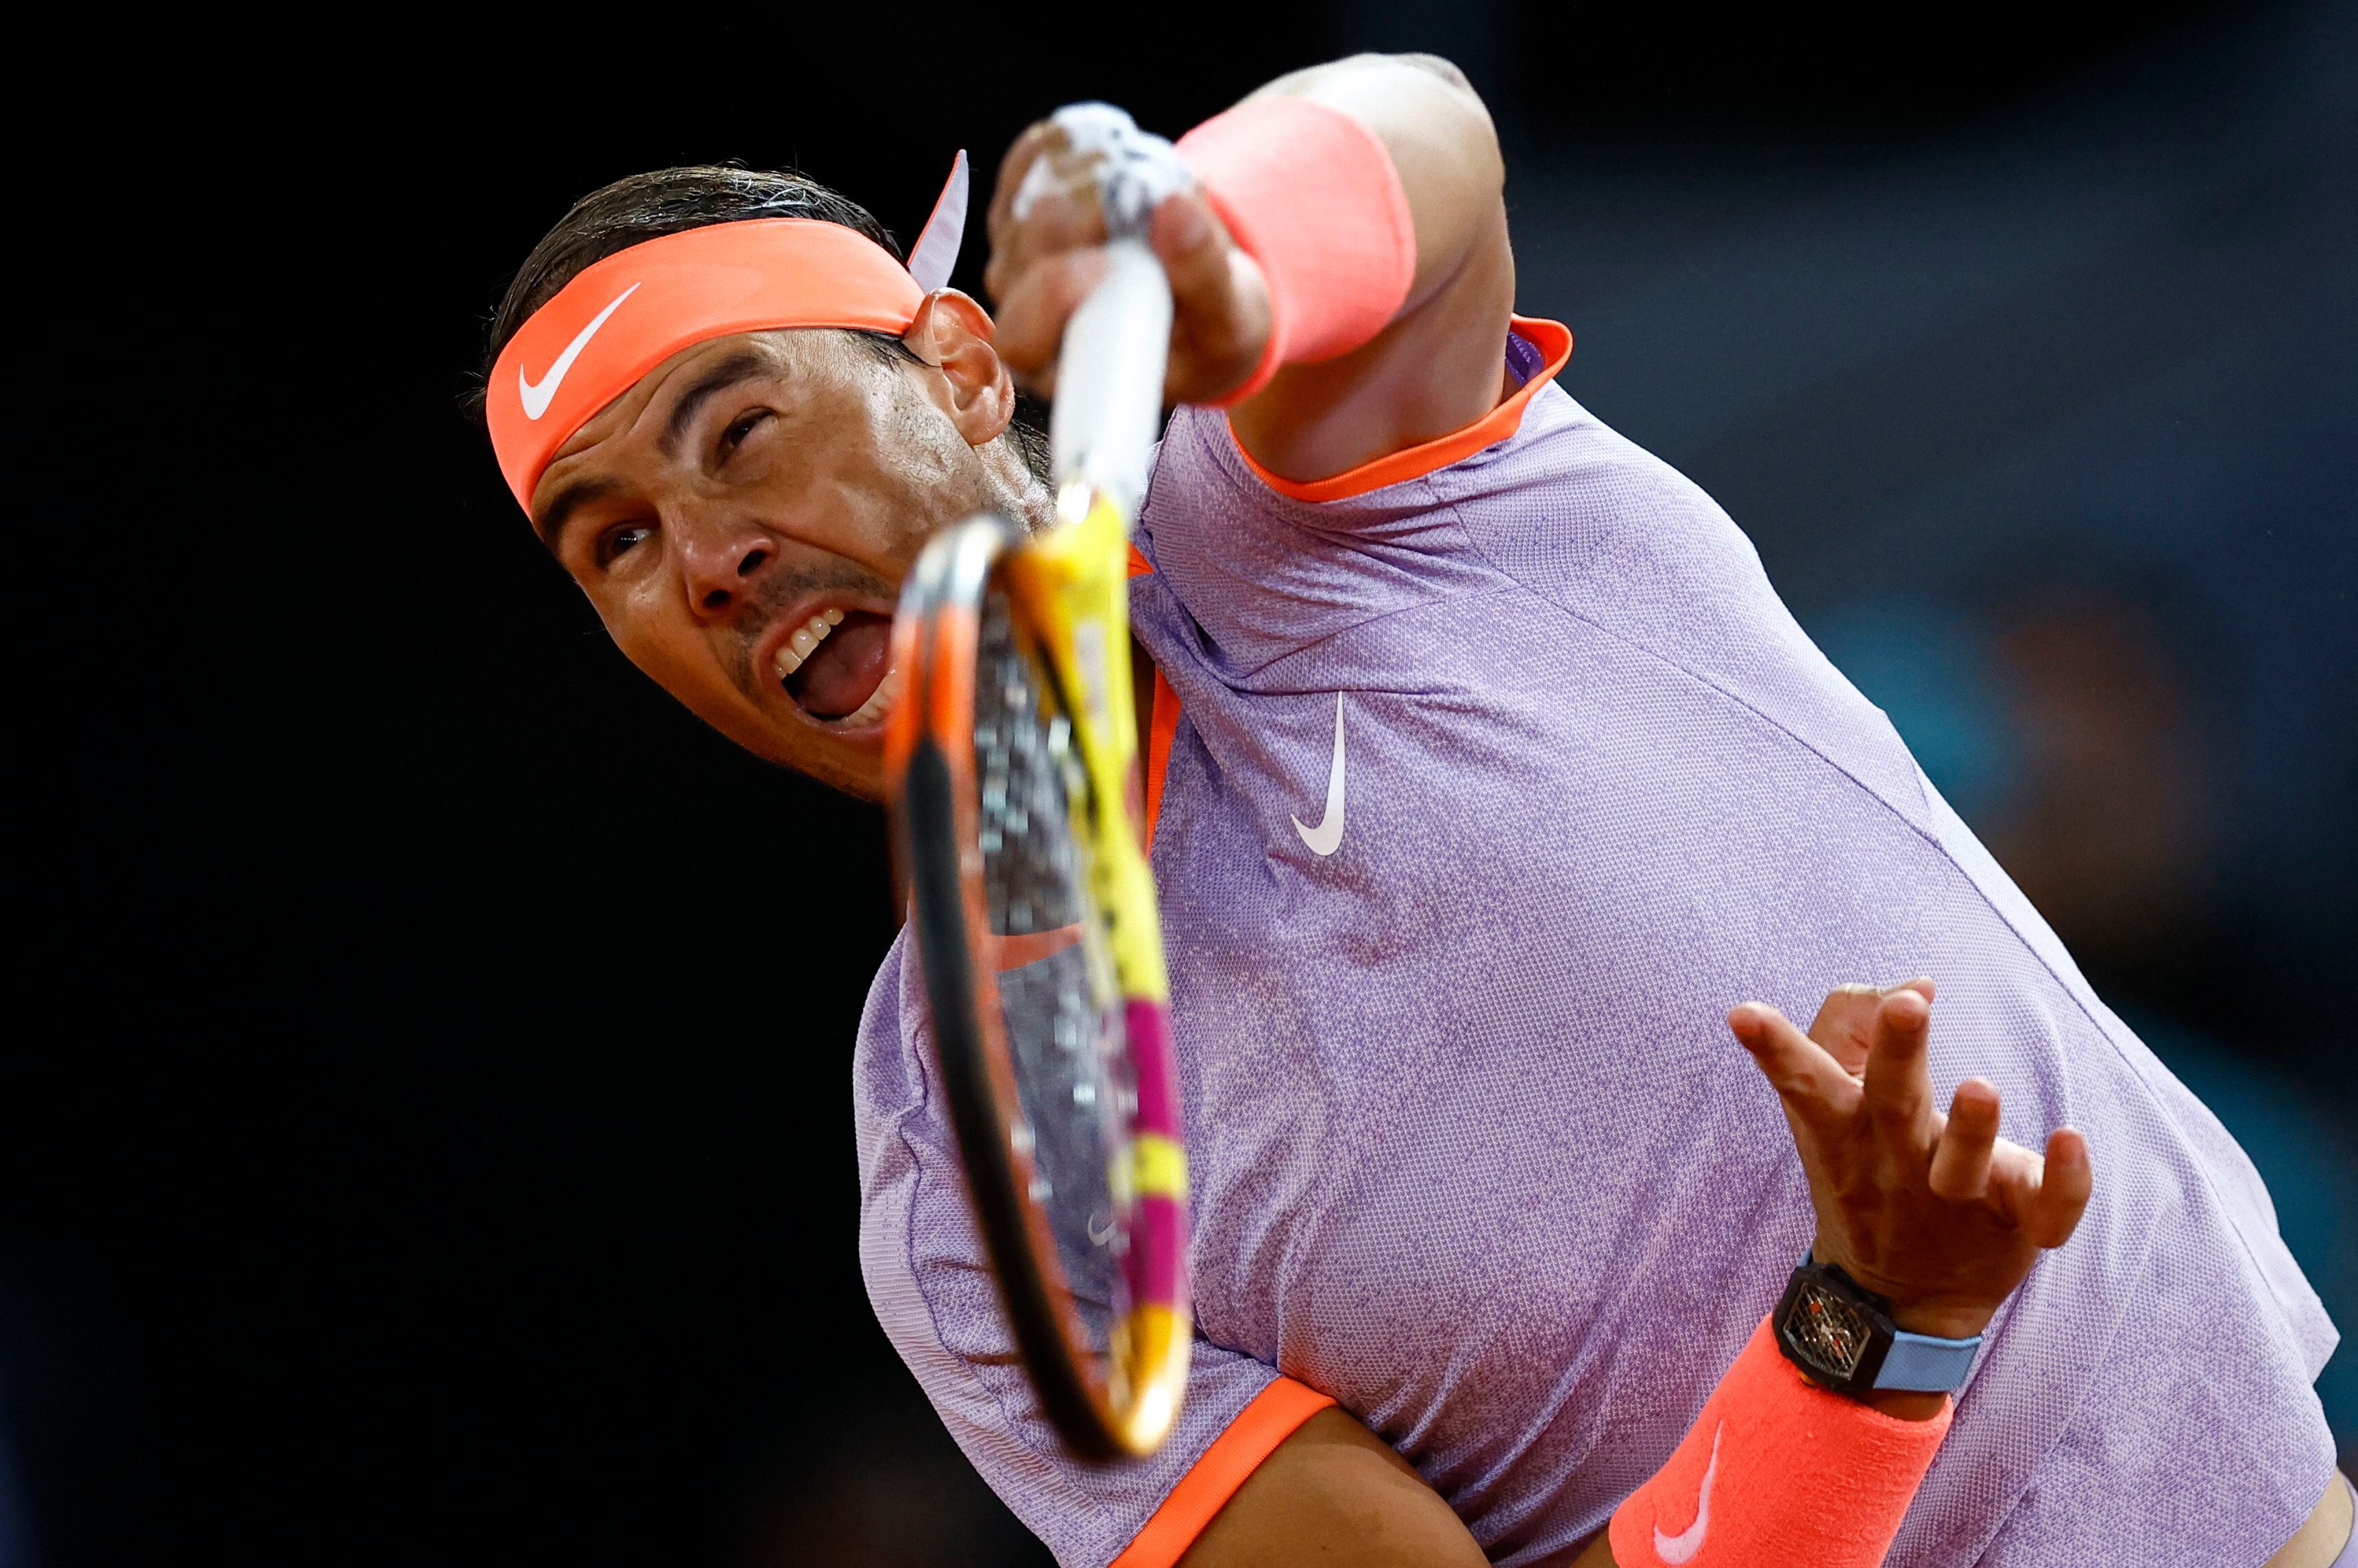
[
  {"x": 1441, "y": 144},
  {"x": 1437, "y": 367}
]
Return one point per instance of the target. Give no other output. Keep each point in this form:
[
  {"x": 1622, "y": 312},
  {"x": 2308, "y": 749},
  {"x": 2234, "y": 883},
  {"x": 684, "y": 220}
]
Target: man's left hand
[
  {"x": 1046, "y": 262},
  {"x": 1935, "y": 1212}
]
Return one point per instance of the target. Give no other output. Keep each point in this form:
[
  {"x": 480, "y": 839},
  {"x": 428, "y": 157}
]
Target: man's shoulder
[
  {"x": 1602, "y": 540},
  {"x": 1577, "y": 511},
  {"x": 1634, "y": 552},
  {"x": 888, "y": 1070}
]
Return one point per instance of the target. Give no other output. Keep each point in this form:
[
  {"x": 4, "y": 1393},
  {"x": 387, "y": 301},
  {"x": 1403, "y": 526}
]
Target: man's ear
[{"x": 953, "y": 334}]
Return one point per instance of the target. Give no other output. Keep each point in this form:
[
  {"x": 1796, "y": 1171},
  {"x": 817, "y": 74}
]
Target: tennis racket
[{"x": 1014, "y": 765}]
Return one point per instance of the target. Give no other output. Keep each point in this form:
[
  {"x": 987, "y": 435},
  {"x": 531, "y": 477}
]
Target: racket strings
[
  {"x": 1063, "y": 1026},
  {"x": 1023, "y": 760}
]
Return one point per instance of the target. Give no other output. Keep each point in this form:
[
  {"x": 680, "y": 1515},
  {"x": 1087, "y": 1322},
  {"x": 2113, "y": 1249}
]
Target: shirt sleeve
[{"x": 932, "y": 1291}]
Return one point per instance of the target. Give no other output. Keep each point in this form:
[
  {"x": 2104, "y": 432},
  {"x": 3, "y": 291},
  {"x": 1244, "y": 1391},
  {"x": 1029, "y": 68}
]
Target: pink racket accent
[
  {"x": 1156, "y": 1266},
  {"x": 1149, "y": 1059}
]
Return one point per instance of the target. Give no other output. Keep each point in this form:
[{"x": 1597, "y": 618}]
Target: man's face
[{"x": 742, "y": 518}]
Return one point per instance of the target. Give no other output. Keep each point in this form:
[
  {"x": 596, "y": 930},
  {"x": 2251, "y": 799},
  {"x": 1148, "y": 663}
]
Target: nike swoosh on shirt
[
  {"x": 1328, "y": 837},
  {"x": 1682, "y": 1546},
  {"x": 535, "y": 398}
]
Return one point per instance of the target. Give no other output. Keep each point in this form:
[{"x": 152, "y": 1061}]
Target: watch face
[{"x": 1829, "y": 1332}]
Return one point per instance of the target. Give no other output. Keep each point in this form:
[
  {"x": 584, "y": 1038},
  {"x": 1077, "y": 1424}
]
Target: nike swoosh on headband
[
  {"x": 535, "y": 398},
  {"x": 1682, "y": 1546},
  {"x": 1328, "y": 837}
]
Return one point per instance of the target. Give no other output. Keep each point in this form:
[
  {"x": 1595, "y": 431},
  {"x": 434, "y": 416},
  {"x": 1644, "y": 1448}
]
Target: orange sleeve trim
[
  {"x": 1274, "y": 1415},
  {"x": 1161, "y": 727},
  {"x": 1158, "y": 749},
  {"x": 1553, "y": 340}
]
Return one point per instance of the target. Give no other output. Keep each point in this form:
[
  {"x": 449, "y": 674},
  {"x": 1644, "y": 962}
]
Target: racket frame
[{"x": 1067, "y": 593}]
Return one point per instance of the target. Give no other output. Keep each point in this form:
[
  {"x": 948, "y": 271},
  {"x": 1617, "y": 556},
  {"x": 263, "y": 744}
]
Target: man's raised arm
[{"x": 1344, "y": 263}]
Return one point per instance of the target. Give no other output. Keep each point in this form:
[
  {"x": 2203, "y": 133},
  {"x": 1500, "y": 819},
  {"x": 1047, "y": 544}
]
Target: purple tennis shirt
[{"x": 1473, "y": 1150}]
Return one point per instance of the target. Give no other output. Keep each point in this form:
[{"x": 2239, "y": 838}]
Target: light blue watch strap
[{"x": 1921, "y": 1364}]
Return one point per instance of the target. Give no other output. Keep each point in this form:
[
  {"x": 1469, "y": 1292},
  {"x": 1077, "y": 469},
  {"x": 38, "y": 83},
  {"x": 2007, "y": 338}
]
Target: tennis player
[{"x": 1485, "y": 770}]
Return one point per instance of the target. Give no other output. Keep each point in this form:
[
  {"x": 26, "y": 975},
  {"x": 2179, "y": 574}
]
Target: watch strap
[
  {"x": 1841, "y": 1337},
  {"x": 1922, "y": 1364}
]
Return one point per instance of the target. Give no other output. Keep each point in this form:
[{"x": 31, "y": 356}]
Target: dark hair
[{"x": 673, "y": 201}]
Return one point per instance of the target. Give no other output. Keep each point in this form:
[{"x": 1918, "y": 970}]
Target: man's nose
[{"x": 721, "y": 564}]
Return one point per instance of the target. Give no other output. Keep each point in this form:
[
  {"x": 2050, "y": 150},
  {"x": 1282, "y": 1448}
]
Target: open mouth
[{"x": 837, "y": 667}]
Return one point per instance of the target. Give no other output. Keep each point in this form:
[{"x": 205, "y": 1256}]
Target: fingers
[
  {"x": 1038, "y": 137},
  {"x": 1048, "y": 235},
  {"x": 2015, "y": 1176},
  {"x": 1058, "y": 224},
  {"x": 1064, "y": 218},
  {"x": 1031, "y": 318},
  {"x": 1193, "y": 244},
  {"x": 1057, "y": 192},
  {"x": 2062, "y": 1196},
  {"x": 1221, "y": 318},
  {"x": 1813, "y": 1085},
  {"x": 1961, "y": 1160},
  {"x": 1898, "y": 1088},
  {"x": 2044, "y": 1198},
  {"x": 1846, "y": 1023}
]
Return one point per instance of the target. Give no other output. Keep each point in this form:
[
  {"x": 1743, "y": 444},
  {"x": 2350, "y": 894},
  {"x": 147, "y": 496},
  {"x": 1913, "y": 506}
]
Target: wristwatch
[{"x": 1841, "y": 1334}]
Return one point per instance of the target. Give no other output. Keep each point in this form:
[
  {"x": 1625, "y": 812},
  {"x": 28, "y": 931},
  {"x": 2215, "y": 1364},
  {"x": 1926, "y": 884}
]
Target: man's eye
[
  {"x": 740, "y": 427},
  {"x": 619, "y": 541}
]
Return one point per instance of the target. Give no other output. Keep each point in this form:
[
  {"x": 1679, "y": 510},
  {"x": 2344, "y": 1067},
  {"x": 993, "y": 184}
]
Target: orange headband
[{"x": 622, "y": 316}]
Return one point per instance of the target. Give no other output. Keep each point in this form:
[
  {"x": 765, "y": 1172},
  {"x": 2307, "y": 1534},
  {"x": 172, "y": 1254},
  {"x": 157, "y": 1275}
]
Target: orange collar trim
[{"x": 1552, "y": 339}]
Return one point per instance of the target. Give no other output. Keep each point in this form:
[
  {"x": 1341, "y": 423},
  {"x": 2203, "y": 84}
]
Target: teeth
[
  {"x": 880, "y": 702},
  {"x": 808, "y": 635}
]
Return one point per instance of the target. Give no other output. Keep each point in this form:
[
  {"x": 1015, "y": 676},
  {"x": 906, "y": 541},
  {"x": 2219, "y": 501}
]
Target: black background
[{"x": 428, "y": 1136}]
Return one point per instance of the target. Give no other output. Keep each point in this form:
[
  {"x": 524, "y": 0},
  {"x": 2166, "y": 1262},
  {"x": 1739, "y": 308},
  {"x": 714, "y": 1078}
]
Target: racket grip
[{"x": 1108, "y": 406}]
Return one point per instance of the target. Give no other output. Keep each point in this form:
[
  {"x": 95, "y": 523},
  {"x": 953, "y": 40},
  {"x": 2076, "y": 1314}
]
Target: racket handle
[{"x": 1108, "y": 406}]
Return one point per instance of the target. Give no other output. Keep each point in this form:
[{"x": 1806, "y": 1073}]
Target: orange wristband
[
  {"x": 1310, "y": 194},
  {"x": 1779, "y": 1473}
]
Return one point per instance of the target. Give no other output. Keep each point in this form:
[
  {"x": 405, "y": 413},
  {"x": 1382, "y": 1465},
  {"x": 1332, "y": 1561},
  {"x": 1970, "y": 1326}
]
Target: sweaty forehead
[{"x": 649, "y": 417}]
